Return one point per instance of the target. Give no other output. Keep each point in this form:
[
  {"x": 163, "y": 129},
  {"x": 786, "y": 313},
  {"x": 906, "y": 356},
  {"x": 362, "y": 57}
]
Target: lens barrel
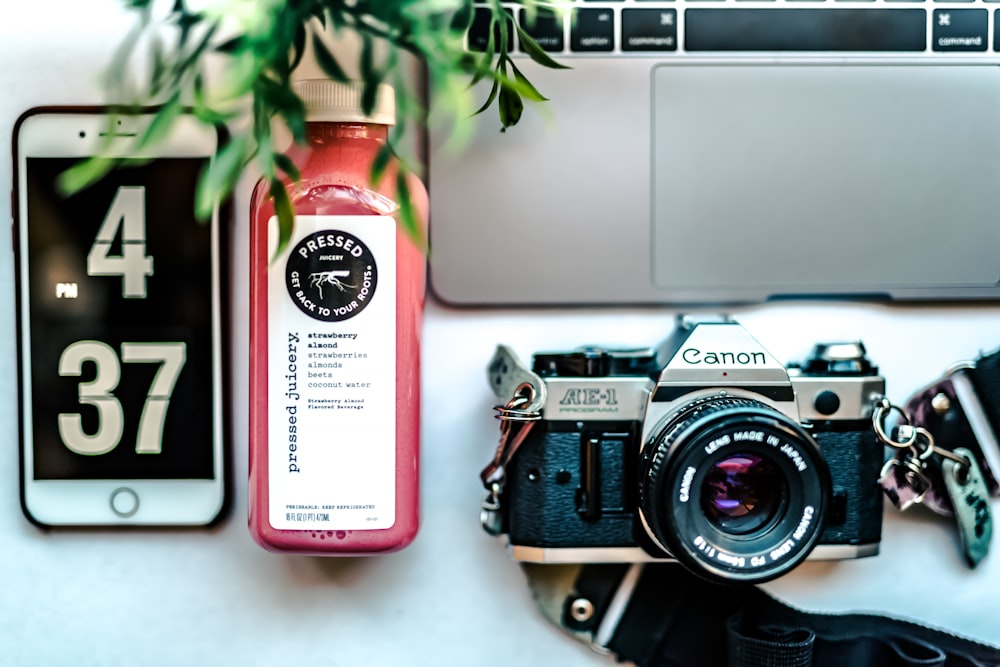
[{"x": 734, "y": 489}]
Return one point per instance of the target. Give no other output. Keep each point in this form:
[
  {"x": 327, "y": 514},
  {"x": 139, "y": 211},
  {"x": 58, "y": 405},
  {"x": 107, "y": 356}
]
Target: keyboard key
[
  {"x": 592, "y": 30},
  {"x": 479, "y": 31},
  {"x": 546, "y": 28},
  {"x": 960, "y": 29},
  {"x": 780, "y": 29},
  {"x": 649, "y": 29}
]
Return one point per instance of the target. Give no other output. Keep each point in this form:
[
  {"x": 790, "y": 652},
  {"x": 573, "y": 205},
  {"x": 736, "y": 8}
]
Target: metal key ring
[
  {"x": 884, "y": 409},
  {"x": 931, "y": 449},
  {"x": 928, "y": 448},
  {"x": 523, "y": 395}
]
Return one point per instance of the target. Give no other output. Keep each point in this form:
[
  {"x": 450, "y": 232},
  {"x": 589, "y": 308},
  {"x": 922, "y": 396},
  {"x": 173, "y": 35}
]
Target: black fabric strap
[
  {"x": 675, "y": 619},
  {"x": 774, "y": 647},
  {"x": 985, "y": 376}
]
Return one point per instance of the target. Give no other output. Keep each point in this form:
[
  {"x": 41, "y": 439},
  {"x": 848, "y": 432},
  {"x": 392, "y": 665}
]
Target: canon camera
[{"x": 704, "y": 449}]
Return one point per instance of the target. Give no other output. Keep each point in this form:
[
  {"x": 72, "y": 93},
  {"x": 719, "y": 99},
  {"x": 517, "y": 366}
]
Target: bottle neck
[{"x": 327, "y": 133}]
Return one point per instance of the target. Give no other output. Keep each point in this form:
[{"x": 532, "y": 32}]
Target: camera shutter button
[
  {"x": 826, "y": 402},
  {"x": 584, "y": 363}
]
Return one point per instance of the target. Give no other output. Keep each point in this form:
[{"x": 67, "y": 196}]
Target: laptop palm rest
[{"x": 825, "y": 179}]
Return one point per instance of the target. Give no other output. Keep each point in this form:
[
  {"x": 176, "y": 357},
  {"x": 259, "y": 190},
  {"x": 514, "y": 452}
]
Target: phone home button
[{"x": 124, "y": 502}]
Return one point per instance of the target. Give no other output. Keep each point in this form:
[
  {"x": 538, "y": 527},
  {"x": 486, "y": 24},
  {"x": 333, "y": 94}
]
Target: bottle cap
[{"x": 334, "y": 102}]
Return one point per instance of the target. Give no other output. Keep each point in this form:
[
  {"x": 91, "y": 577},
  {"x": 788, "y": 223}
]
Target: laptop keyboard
[{"x": 664, "y": 27}]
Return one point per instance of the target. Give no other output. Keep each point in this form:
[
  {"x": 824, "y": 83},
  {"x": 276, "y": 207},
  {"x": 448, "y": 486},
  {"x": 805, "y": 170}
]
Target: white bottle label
[{"x": 332, "y": 374}]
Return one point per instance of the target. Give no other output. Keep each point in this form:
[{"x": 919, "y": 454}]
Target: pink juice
[{"x": 335, "y": 324}]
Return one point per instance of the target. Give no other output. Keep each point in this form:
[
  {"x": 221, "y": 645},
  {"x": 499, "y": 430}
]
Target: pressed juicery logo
[{"x": 331, "y": 275}]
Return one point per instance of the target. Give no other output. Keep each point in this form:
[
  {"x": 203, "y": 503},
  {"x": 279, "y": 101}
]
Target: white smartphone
[{"x": 121, "y": 367}]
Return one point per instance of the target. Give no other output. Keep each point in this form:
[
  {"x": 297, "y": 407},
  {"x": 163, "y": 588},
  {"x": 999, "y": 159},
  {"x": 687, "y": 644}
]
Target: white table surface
[{"x": 453, "y": 597}]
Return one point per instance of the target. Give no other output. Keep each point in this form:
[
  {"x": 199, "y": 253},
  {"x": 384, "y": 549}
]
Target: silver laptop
[{"x": 733, "y": 151}]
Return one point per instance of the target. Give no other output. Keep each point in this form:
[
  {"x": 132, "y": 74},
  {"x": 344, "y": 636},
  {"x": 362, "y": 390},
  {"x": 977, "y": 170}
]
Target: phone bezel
[{"x": 76, "y": 132}]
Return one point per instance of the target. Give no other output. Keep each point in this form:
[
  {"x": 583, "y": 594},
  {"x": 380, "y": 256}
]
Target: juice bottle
[{"x": 335, "y": 324}]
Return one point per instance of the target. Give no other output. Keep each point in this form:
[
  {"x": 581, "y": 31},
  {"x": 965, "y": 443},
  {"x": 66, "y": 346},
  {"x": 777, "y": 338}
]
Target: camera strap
[{"x": 661, "y": 615}]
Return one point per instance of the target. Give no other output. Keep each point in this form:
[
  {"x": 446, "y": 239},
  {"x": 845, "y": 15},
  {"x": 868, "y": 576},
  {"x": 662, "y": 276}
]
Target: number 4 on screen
[{"x": 127, "y": 213}]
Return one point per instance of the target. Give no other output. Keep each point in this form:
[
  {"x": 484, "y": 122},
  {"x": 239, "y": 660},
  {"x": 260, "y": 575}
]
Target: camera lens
[
  {"x": 742, "y": 493},
  {"x": 734, "y": 489}
]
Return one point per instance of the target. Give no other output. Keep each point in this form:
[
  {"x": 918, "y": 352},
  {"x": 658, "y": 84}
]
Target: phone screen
[{"x": 119, "y": 301}]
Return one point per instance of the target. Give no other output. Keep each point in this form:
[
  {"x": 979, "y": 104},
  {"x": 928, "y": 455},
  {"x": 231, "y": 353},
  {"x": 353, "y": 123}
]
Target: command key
[{"x": 960, "y": 30}]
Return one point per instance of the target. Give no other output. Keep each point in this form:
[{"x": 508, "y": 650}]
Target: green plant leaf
[
  {"x": 186, "y": 21},
  {"x": 369, "y": 74},
  {"x": 191, "y": 59},
  {"x": 525, "y": 87},
  {"x": 327, "y": 62},
  {"x": 295, "y": 118},
  {"x": 221, "y": 175},
  {"x": 286, "y": 215},
  {"x": 489, "y": 99},
  {"x": 500, "y": 23},
  {"x": 380, "y": 163},
  {"x": 257, "y": 59},
  {"x": 509, "y": 103},
  {"x": 158, "y": 67},
  {"x": 202, "y": 109},
  {"x": 161, "y": 124},
  {"x": 510, "y": 106},
  {"x": 233, "y": 45},
  {"x": 462, "y": 19},
  {"x": 285, "y": 164},
  {"x": 319, "y": 13},
  {"x": 484, "y": 65},
  {"x": 84, "y": 174},
  {"x": 134, "y": 161},
  {"x": 408, "y": 218},
  {"x": 261, "y": 119},
  {"x": 536, "y": 52},
  {"x": 298, "y": 46},
  {"x": 273, "y": 97}
]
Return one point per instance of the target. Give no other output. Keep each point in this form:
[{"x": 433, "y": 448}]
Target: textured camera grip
[
  {"x": 543, "y": 492},
  {"x": 855, "y": 461}
]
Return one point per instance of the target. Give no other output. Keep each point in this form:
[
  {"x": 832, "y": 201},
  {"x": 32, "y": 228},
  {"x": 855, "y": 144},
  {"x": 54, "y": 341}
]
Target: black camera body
[{"x": 703, "y": 449}]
